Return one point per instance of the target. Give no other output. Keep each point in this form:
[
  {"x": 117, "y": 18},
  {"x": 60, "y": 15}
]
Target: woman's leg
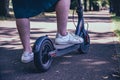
[
  {"x": 23, "y": 26},
  {"x": 62, "y": 10},
  {"x": 62, "y": 37}
]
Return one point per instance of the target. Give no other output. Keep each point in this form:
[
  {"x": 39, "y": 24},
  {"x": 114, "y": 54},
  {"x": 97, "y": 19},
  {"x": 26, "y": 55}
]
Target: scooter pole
[{"x": 80, "y": 24}]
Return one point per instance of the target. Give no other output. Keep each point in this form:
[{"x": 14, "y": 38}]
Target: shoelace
[{"x": 75, "y": 36}]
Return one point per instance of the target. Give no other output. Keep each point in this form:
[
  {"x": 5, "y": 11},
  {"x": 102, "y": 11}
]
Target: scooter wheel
[
  {"x": 41, "y": 49},
  {"x": 84, "y": 47}
]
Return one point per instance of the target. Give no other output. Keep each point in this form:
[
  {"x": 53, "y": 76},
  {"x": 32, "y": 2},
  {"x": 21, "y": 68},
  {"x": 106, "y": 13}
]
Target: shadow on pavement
[{"x": 98, "y": 64}]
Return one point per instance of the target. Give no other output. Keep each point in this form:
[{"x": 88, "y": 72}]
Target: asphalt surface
[{"x": 100, "y": 63}]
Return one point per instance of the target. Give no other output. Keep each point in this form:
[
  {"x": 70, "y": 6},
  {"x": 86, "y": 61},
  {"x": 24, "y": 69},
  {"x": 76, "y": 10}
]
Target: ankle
[
  {"x": 63, "y": 34},
  {"x": 26, "y": 51}
]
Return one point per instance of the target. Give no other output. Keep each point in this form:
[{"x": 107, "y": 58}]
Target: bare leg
[
  {"x": 62, "y": 9},
  {"x": 23, "y": 26},
  {"x": 62, "y": 37}
]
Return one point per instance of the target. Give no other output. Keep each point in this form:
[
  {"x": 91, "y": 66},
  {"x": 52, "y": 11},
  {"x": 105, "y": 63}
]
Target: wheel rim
[
  {"x": 86, "y": 44},
  {"x": 46, "y": 59}
]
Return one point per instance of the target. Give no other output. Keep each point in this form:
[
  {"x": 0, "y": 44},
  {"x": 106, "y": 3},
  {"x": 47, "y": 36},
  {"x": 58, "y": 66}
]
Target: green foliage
[
  {"x": 104, "y": 3},
  {"x": 116, "y": 21},
  {"x": 73, "y": 4}
]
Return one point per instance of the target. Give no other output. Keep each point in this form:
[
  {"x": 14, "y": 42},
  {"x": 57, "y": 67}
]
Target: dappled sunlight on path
[{"x": 98, "y": 64}]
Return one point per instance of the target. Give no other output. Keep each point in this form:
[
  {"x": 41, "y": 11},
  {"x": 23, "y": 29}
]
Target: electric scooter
[{"x": 45, "y": 50}]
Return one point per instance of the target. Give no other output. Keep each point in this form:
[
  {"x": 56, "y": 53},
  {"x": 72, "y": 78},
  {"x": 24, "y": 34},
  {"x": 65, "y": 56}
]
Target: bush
[{"x": 73, "y": 4}]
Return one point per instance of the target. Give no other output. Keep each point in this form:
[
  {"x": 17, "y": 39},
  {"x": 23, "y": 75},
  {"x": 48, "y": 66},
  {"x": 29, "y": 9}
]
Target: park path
[{"x": 99, "y": 64}]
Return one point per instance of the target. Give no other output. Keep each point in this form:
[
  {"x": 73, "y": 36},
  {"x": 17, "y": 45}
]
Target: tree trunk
[
  {"x": 111, "y": 8},
  {"x": 90, "y": 5},
  {"x": 116, "y": 7},
  {"x": 85, "y": 5},
  {"x": 118, "y": 10},
  {"x": 4, "y": 8}
]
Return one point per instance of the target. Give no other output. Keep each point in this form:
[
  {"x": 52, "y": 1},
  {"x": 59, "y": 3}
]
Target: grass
[{"x": 116, "y": 21}]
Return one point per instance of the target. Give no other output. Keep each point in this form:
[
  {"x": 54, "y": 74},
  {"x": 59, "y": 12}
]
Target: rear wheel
[{"x": 42, "y": 59}]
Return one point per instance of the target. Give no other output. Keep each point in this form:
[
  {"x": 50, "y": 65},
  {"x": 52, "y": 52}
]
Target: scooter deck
[
  {"x": 63, "y": 49},
  {"x": 63, "y": 46}
]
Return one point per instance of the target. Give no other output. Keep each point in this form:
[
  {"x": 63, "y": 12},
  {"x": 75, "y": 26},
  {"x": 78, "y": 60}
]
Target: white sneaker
[
  {"x": 70, "y": 38},
  {"x": 27, "y": 57}
]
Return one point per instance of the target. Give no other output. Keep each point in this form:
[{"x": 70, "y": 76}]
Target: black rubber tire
[
  {"x": 42, "y": 59},
  {"x": 84, "y": 47}
]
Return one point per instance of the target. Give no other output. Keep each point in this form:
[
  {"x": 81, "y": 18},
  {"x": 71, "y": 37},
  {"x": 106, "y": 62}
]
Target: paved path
[{"x": 99, "y": 64}]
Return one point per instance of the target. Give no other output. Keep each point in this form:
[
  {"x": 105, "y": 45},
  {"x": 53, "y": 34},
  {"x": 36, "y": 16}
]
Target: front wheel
[{"x": 84, "y": 47}]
